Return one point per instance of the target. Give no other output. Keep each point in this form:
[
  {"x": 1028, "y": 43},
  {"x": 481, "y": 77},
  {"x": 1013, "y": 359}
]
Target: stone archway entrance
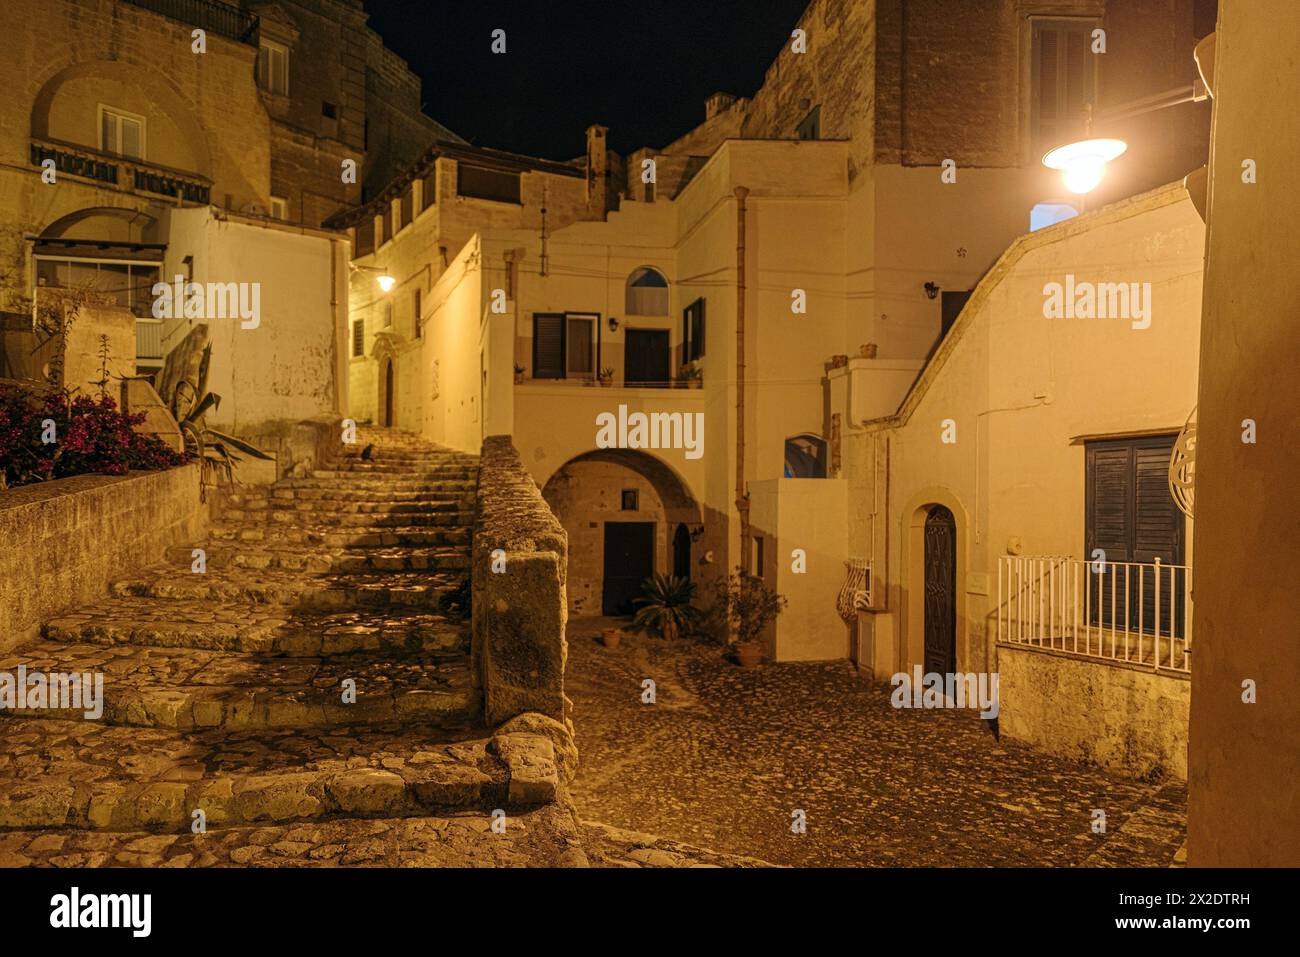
[{"x": 628, "y": 515}]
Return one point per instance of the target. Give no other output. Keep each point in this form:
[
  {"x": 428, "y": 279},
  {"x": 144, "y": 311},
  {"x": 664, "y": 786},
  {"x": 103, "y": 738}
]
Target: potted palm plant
[
  {"x": 606, "y": 377},
  {"x": 665, "y": 606},
  {"x": 750, "y": 606}
]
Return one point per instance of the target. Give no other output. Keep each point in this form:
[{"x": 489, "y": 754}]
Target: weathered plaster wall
[
  {"x": 66, "y": 540},
  {"x": 1122, "y": 717}
]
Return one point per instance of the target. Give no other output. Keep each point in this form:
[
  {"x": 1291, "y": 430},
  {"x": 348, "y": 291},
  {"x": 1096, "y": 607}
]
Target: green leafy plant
[
  {"x": 748, "y": 605},
  {"x": 666, "y": 607},
  {"x": 189, "y": 403}
]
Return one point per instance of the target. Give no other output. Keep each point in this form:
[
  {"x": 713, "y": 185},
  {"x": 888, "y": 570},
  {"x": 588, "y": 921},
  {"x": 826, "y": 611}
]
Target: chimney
[
  {"x": 717, "y": 103},
  {"x": 598, "y": 196}
]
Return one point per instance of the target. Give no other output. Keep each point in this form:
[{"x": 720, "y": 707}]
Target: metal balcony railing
[
  {"x": 213, "y": 16},
  {"x": 128, "y": 174}
]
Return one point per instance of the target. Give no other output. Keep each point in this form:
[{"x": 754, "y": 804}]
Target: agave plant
[
  {"x": 666, "y": 607},
  {"x": 189, "y": 402}
]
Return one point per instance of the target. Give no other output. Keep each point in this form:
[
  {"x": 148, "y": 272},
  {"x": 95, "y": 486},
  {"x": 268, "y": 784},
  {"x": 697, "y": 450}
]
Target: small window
[
  {"x": 758, "y": 556},
  {"x": 388, "y": 314},
  {"x": 479, "y": 183},
  {"x": 121, "y": 133},
  {"x": 408, "y": 206},
  {"x": 364, "y": 238},
  {"x": 273, "y": 68},
  {"x": 631, "y": 499},
  {"x": 693, "y": 331},
  {"x": 811, "y": 127},
  {"x": 548, "y": 346},
  {"x": 647, "y": 293},
  {"x": 805, "y": 456},
  {"x": 358, "y": 338},
  {"x": 415, "y": 306},
  {"x": 1064, "y": 79},
  {"x": 329, "y": 110},
  {"x": 279, "y": 207},
  {"x": 1049, "y": 214}
]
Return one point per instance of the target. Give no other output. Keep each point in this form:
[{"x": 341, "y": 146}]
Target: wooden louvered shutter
[{"x": 548, "y": 346}]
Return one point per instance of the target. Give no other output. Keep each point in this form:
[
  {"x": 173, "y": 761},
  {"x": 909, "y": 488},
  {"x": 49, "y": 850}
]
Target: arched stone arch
[
  {"x": 912, "y": 583},
  {"x": 181, "y": 143},
  {"x": 125, "y": 224},
  {"x": 596, "y": 495}
]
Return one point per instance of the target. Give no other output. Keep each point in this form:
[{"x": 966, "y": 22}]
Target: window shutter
[
  {"x": 548, "y": 347},
  {"x": 580, "y": 347},
  {"x": 1110, "y": 493},
  {"x": 358, "y": 338}
]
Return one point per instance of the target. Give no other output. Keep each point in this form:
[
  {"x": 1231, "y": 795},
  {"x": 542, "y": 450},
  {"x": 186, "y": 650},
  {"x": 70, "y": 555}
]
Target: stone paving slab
[
  {"x": 609, "y": 846},
  {"x": 542, "y": 837},
  {"x": 186, "y": 688},
  {"x": 726, "y": 756},
  {"x": 86, "y": 775}
]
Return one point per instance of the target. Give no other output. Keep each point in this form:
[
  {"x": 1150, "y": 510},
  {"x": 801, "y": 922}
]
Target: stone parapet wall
[
  {"x": 1126, "y": 718},
  {"x": 519, "y": 613},
  {"x": 62, "y": 542}
]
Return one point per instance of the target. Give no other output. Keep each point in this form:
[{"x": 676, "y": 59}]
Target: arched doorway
[
  {"x": 628, "y": 515},
  {"x": 682, "y": 552},
  {"x": 940, "y": 591},
  {"x": 386, "y": 416}
]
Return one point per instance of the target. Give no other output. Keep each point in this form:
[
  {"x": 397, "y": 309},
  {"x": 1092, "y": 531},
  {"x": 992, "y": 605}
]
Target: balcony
[
  {"x": 223, "y": 19},
  {"x": 130, "y": 175},
  {"x": 1132, "y": 613}
]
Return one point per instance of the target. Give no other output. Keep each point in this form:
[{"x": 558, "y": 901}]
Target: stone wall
[
  {"x": 1122, "y": 717},
  {"x": 519, "y": 614},
  {"x": 64, "y": 541}
]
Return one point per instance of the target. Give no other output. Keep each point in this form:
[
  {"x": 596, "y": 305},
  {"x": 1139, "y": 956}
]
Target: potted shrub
[
  {"x": 750, "y": 606},
  {"x": 693, "y": 376},
  {"x": 607, "y": 377},
  {"x": 519, "y": 373},
  {"x": 665, "y": 606}
]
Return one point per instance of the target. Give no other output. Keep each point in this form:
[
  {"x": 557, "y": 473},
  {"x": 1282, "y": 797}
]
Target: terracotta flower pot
[
  {"x": 610, "y": 637},
  {"x": 749, "y": 654}
]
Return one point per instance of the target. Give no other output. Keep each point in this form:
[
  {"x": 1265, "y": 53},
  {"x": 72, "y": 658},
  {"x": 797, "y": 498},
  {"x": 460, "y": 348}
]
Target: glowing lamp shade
[
  {"x": 1083, "y": 164},
  {"x": 386, "y": 282}
]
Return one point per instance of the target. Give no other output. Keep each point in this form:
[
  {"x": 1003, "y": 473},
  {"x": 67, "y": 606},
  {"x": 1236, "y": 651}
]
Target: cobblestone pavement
[{"x": 725, "y": 756}]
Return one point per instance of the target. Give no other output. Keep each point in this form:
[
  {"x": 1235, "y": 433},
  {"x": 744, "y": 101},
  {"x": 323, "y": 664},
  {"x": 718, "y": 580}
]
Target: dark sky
[{"x": 641, "y": 67}]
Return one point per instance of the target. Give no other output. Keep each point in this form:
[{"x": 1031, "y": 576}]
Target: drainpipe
[{"x": 742, "y": 493}]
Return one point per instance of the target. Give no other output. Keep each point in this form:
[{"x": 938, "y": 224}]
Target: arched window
[
  {"x": 805, "y": 456},
  {"x": 647, "y": 293}
]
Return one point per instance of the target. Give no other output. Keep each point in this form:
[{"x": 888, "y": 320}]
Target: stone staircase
[{"x": 312, "y": 662}]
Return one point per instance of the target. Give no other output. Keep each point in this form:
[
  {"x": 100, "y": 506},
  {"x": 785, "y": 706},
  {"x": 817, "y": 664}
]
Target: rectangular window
[
  {"x": 1130, "y": 516},
  {"x": 415, "y": 308},
  {"x": 329, "y": 110},
  {"x": 581, "y": 347},
  {"x": 388, "y": 314},
  {"x": 481, "y": 183},
  {"x": 693, "y": 331},
  {"x": 811, "y": 126},
  {"x": 130, "y": 284},
  {"x": 386, "y": 225},
  {"x": 121, "y": 133},
  {"x": 359, "y": 338},
  {"x": 273, "y": 67},
  {"x": 548, "y": 346},
  {"x": 1064, "y": 79},
  {"x": 630, "y": 500},
  {"x": 279, "y": 207}
]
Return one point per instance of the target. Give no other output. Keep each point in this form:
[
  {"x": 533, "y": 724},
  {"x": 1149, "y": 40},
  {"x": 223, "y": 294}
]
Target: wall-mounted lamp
[
  {"x": 1083, "y": 164},
  {"x": 386, "y": 282},
  {"x": 613, "y": 324},
  {"x": 931, "y": 289},
  {"x": 696, "y": 532}
]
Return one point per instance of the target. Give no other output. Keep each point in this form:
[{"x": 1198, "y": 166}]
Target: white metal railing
[{"x": 1118, "y": 611}]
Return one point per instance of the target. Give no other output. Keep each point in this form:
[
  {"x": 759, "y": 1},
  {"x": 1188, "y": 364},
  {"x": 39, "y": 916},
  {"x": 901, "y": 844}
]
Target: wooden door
[
  {"x": 629, "y": 561},
  {"x": 646, "y": 357}
]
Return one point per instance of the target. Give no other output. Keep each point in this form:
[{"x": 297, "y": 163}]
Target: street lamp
[
  {"x": 1083, "y": 164},
  {"x": 386, "y": 282}
]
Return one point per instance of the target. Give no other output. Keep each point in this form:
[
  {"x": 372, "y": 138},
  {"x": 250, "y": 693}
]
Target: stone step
[
  {"x": 266, "y": 629},
  {"x": 291, "y": 518},
  {"x": 327, "y": 537},
  {"x": 278, "y": 496},
  {"x": 346, "y": 561},
  {"x": 342, "y": 471},
  {"x": 401, "y": 453},
  {"x": 187, "y": 688},
  {"x": 290, "y": 513},
  {"x": 301, "y": 590},
  {"x": 466, "y": 486},
  {"x": 93, "y": 776}
]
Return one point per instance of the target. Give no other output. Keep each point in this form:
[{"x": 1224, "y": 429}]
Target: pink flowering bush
[{"x": 90, "y": 435}]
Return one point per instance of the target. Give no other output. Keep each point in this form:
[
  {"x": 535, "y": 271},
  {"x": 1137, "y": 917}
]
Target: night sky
[{"x": 641, "y": 67}]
